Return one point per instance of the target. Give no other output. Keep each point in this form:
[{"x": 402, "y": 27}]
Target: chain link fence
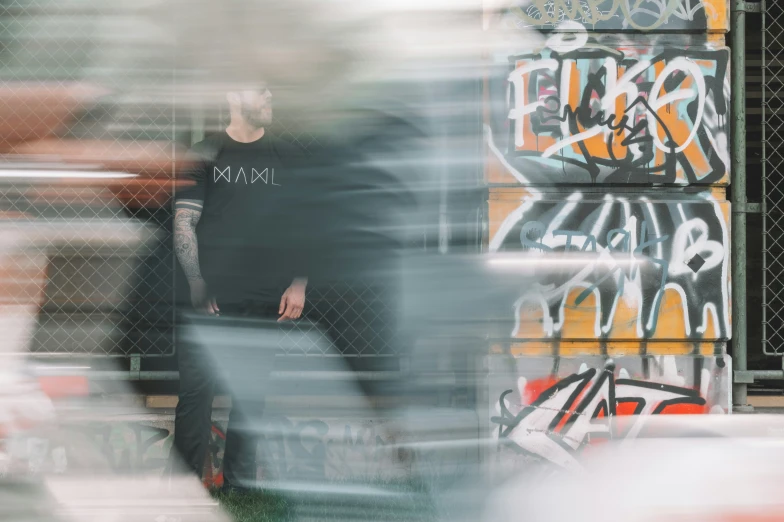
[
  {"x": 112, "y": 277},
  {"x": 103, "y": 295},
  {"x": 773, "y": 176}
]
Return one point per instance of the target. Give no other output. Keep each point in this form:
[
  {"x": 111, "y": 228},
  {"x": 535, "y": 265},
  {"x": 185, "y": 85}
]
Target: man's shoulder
[{"x": 207, "y": 148}]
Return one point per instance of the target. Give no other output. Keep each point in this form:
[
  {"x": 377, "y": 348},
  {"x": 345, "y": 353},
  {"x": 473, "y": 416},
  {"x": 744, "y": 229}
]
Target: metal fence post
[
  {"x": 738, "y": 180},
  {"x": 136, "y": 367}
]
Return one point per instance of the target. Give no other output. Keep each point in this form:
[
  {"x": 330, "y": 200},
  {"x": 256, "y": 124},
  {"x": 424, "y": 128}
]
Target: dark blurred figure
[{"x": 230, "y": 239}]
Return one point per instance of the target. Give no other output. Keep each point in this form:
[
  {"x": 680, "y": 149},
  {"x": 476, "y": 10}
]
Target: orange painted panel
[
  {"x": 597, "y": 110},
  {"x": 614, "y": 267},
  {"x": 607, "y": 348}
]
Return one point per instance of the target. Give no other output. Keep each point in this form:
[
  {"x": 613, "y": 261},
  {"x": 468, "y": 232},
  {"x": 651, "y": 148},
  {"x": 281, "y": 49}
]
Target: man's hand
[
  {"x": 293, "y": 301},
  {"x": 200, "y": 298}
]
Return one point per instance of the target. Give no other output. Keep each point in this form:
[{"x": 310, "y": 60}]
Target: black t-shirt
[{"x": 250, "y": 198}]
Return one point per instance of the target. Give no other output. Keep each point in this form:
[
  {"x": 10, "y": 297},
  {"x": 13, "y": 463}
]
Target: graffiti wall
[
  {"x": 552, "y": 409},
  {"x": 319, "y": 449},
  {"x": 291, "y": 449},
  {"x": 612, "y": 109},
  {"x": 624, "y": 266},
  {"x": 606, "y": 132},
  {"x": 622, "y": 15}
]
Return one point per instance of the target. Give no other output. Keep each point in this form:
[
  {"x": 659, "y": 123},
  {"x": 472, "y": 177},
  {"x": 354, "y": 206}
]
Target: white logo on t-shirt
[{"x": 267, "y": 176}]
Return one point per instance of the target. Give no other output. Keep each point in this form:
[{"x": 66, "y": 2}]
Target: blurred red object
[
  {"x": 31, "y": 111},
  {"x": 154, "y": 162},
  {"x": 63, "y": 386}
]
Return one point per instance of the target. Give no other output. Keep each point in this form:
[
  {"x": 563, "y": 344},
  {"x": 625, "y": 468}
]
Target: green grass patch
[
  {"x": 254, "y": 507},
  {"x": 409, "y": 505}
]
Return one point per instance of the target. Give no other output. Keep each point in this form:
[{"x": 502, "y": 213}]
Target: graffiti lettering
[
  {"x": 640, "y": 15},
  {"x": 556, "y": 418},
  {"x": 599, "y": 115},
  {"x": 616, "y": 255},
  {"x": 126, "y": 446}
]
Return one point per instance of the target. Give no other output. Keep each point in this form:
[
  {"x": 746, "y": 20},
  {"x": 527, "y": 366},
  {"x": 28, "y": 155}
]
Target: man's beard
[{"x": 256, "y": 117}]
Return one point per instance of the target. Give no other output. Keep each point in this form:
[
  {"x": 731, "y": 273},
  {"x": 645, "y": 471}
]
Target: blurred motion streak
[
  {"x": 677, "y": 470},
  {"x": 514, "y": 220}
]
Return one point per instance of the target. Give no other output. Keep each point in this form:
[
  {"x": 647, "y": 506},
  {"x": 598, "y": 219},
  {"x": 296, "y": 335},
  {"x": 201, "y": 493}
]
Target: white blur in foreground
[
  {"x": 518, "y": 261},
  {"x": 57, "y": 370},
  {"x": 132, "y": 499},
  {"x": 695, "y": 470},
  {"x": 64, "y": 174}
]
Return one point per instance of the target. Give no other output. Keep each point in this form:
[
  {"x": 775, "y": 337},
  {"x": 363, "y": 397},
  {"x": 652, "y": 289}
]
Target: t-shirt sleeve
[{"x": 192, "y": 191}]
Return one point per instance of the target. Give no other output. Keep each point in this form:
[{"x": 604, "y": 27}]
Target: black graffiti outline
[
  {"x": 507, "y": 422},
  {"x": 622, "y": 274},
  {"x": 649, "y": 273},
  {"x": 128, "y": 458},
  {"x": 628, "y": 169}
]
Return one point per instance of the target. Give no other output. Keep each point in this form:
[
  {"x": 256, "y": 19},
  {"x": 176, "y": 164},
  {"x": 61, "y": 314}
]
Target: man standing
[{"x": 230, "y": 239}]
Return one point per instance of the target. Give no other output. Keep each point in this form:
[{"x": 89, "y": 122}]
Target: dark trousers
[
  {"x": 358, "y": 318},
  {"x": 193, "y": 416}
]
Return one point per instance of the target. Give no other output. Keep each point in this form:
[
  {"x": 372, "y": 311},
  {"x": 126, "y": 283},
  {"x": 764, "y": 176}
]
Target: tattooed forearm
[{"x": 186, "y": 245}]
